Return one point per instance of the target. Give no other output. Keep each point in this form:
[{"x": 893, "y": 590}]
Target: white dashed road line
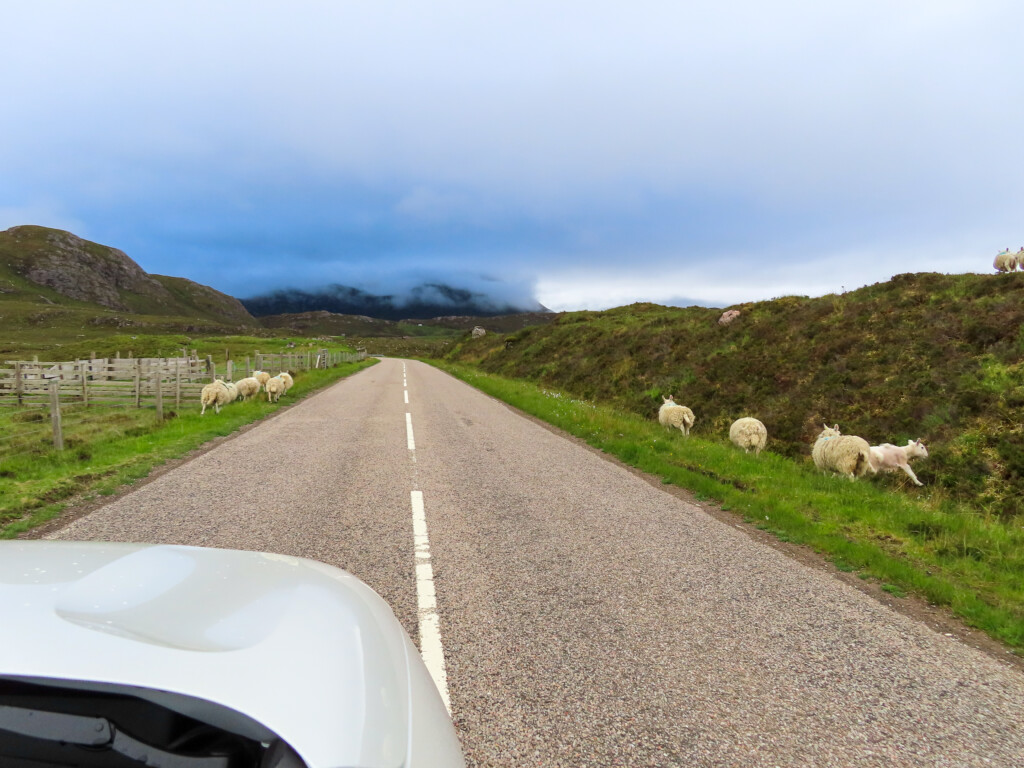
[{"x": 426, "y": 597}]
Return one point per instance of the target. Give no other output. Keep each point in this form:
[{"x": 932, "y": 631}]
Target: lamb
[
  {"x": 261, "y": 377},
  {"x": 888, "y": 457},
  {"x": 287, "y": 379},
  {"x": 749, "y": 434},
  {"x": 216, "y": 394},
  {"x": 1006, "y": 261},
  {"x": 845, "y": 454},
  {"x": 248, "y": 387},
  {"x": 275, "y": 388},
  {"x": 675, "y": 416}
]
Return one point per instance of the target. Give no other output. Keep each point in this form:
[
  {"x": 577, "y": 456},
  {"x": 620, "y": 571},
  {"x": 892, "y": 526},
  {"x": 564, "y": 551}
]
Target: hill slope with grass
[
  {"x": 923, "y": 355},
  {"x": 54, "y": 267}
]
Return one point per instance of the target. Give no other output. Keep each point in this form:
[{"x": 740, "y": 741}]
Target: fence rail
[{"x": 138, "y": 382}]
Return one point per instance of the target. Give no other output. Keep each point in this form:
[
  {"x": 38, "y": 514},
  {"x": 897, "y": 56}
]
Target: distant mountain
[
  {"x": 427, "y": 300},
  {"x": 72, "y": 268}
]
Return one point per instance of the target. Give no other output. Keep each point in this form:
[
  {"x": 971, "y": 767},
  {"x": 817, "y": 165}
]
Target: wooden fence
[{"x": 139, "y": 382}]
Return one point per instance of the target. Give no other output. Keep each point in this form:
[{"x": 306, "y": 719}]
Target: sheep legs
[{"x": 910, "y": 473}]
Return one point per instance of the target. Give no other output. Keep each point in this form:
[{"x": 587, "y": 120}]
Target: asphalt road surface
[{"x": 587, "y": 617}]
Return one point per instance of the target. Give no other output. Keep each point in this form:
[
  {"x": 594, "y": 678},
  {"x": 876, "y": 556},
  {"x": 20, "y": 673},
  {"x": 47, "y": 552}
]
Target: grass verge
[
  {"x": 105, "y": 448},
  {"x": 952, "y": 556}
]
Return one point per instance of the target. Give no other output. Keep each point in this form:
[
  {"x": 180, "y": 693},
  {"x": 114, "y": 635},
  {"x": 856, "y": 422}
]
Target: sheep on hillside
[
  {"x": 845, "y": 454},
  {"x": 261, "y": 377},
  {"x": 216, "y": 394},
  {"x": 287, "y": 379},
  {"x": 675, "y": 416},
  {"x": 248, "y": 387},
  {"x": 478, "y": 332},
  {"x": 275, "y": 388},
  {"x": 728, "y": 316},
  {"x": 1005, "y": 261},
  {"x": 749, "y": 434},
  {"x": 888, "y": 457}
]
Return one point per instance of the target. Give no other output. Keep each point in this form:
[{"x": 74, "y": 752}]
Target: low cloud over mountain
[{"x": 421, "y": 301}]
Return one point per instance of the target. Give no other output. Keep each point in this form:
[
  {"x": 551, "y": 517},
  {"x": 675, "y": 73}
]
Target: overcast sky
[{"x": 587, "y": 154}]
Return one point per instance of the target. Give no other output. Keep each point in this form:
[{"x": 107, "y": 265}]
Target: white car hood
[{"x": 305, "y": 649}]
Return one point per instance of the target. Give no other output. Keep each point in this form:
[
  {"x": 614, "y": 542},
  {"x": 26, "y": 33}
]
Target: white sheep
[
  {"x": 275, "y": 388},
  {"x": 845, "y": 454},
  {"x": 261, "y": 377},
  {"x": 287, "y": 379},
  {"x": 1005, "y": 261},
  {"x": 248, "y": 387},
  {"x": 216, "y": 394},
  {"x": 888, "y": 457},
  {"x": 675, "y": 416},
  {"x": 232, "y": 391},
  {"x": 1019, "y": 258},
  {"x": 749, "y": 434}
]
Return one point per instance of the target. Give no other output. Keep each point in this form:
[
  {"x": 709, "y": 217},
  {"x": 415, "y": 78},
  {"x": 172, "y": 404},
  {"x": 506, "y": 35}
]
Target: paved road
[{"x": 587, "y": 617}]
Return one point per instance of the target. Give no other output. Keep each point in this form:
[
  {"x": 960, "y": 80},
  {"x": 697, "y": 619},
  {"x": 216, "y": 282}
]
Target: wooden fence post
[
  {"x": 58, "y": 433},
  {"x": 85, "y": 383},
  {"x": 231, "y": 371},
  {"x": 138, "y": 383},
  {"x": 17, "y": 382},
  {"x": 158, "y": 389},
  {"x": 177, "y": 385}
]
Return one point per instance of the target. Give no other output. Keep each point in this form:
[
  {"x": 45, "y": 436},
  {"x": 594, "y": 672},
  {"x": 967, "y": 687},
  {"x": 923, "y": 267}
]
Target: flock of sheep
[
  {"x": 1008, "y": 262},
  {"x": 833, "y": 451},
  {"x": 220, "y": 392}
]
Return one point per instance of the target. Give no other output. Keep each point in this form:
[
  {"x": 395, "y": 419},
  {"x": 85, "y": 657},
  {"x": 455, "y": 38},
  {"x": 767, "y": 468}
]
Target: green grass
[
  {"x": 106, "y": 448},
  {"x": 948, "y": 555}
]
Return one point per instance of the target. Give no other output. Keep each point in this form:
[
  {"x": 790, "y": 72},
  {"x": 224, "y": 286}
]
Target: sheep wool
[
  {"x": 1005, "y": 261},
  {"x": 749, "y": 434},
  {"x": 261, "y": 377},
  {"x": 287, "y": 379},
  {"x": 844, "y": 454},
  {"x": 888, "y": 457},
  {"x": 674, "y": 416},
  {"x": 216, "y": 394},
  {"x": 275, "y": 388},
  {"x": 248, "y": 387}
]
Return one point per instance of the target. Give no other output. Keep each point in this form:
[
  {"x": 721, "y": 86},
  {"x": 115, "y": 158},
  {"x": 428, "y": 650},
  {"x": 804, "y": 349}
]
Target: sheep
[
  {"x": 888, "y": 457},
  {"x": 1005, "y": 261},
  {"x": 478, "y": 332},
  {"x": 275, "y": 388},
  {"x": 675, "y": 416},
  {"x": 749, "y": 434},
  {"x": 248, "y": 387},
  {"x": 728, "y": 316},
  {"x": 261, "y": 377},
  {"x": 1019, "y": 258},
  {"x": 232, "y": 391},
  {"x": 216, "y": 394},
  {"x": 287, "y": 379},
  {"x": 846, "y": 454}
]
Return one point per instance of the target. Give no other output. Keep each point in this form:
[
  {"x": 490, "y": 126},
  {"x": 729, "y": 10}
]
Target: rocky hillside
[
  {"x": 924, "y": 355},
  {"x": 72, "y": 268}
]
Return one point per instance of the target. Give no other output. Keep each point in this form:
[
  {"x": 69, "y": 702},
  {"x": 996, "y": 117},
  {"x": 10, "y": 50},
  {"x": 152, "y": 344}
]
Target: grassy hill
[{"x": 923, "y": 355}]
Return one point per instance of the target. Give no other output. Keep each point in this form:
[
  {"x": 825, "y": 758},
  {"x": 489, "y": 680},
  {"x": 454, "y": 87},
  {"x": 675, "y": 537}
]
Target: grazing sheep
[
  {"x": 888, "y": 457},
  {"x": 845, "y": 454},
  {"x": 216, "y": 394},
  {"x": 287, "y": 379},
  {"x": 1005, "y": 261},
  {"x": 248, "y": 387},
  {"x": 749, "y": 434},
  {"x": 1019, "y": 257},
  {"x": 675, "y": 416},
  {"x": 261, "y": 377},
  {"x": 275, "y": 388},
  {"x": 232, "y": 391},
  {"x": 478, "y": 332},
  {"x": 728, "y": 316}
]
